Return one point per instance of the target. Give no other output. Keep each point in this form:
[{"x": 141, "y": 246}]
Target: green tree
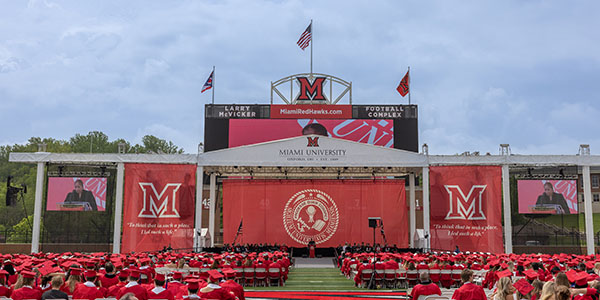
[
  {"x": 152, "y": 144},
  {"x": 12, "y": 218}
]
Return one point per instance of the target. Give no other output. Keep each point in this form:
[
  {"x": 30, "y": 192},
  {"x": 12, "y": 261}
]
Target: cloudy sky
[{"x": 484, "y": 73}]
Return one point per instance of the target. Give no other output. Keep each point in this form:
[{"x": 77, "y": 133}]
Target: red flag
[{"x": 403, "y": 87}]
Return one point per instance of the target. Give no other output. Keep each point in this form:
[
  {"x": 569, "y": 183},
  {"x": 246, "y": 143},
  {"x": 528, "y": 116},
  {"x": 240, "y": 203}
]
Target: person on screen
[
  {"x": 81, "y": 195},
  {"x": 550, "y": 197},
  {"x": 315, "y": 128}
]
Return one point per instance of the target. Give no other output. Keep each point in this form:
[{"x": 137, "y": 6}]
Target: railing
[{"x": 12, "y": 236}]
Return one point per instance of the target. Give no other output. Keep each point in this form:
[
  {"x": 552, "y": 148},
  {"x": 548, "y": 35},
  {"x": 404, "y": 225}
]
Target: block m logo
[
  {"x": 313, "y": 141},
  {"x": 312, "y": 91},
  {"x": 465, "y": 207},
  {"x": 159, "y": 205}
]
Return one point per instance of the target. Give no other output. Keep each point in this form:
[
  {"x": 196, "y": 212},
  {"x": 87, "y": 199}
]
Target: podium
[
  {"x": 547, "y": 209},
  {"x": 74, "y": 206},
  {"x": 311, "y": 251}
]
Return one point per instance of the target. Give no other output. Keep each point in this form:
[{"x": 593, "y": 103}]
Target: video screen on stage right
[{"x": 547, "y": 196}]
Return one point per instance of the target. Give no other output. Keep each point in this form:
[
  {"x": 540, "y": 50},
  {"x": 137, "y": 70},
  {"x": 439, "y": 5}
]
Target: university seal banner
[
  {"x": 466, "y": 208},
  {"x": 329, "y": 212},
  {"x": 158, "y": 207}
]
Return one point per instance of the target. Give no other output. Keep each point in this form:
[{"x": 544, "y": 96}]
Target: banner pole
[
  {"x": 213, "y": 86},
  {"x": 118, "y": 208},
  {"x": 312, "y": 38},
  {"x": 507, "y": 209},
  {"x": 409, "y": 89}
]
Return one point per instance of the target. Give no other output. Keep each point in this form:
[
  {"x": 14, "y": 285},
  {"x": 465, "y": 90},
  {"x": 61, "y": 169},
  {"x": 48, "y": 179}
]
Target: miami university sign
[
  {"x": 465, "y": 207},
  {"x": 311, "y": 88},
  {"x": 159, "y": 205}
]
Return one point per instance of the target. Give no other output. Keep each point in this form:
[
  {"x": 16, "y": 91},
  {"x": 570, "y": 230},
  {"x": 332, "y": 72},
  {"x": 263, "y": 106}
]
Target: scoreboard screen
[{"x": 392, "y": 126}]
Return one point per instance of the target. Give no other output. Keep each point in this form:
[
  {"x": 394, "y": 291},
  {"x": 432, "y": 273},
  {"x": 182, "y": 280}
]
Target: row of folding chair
[
  {"x": 389, "y": 278},
  {"x": 260, "y": 277}
]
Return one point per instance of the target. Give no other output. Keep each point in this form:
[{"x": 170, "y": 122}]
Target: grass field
[{"x": 313, "y": 279}]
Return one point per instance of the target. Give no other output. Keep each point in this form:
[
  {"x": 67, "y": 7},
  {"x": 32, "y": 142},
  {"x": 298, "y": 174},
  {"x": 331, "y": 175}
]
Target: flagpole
[
  {"x": 409, "y": 85},
  {"x": 311, "y": 46},
  {"x": 213, "y": 87}
]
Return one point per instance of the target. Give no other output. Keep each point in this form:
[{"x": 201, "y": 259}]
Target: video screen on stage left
[
  {"x": 76, "y": 194},
  {"x": 252, "y": 131},
  {"x": 547, "y": 196}
]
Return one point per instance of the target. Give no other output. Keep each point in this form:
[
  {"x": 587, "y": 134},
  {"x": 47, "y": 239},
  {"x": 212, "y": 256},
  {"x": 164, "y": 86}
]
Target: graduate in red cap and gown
[
  {"x": 114, "y": 290},
  {"x": 175, "y": 284},
  {"x": 27, "y": 291},
  {"x": 213, "y": 290},
  {"x": 425, "y": 288},
  {"x": 88, "y": 289},
  {"x": 581, "y": 285},
  {"x": 133, "y": 287},
  {"x": 159, "y": 291},
  {"x": 5, "y": 290},
  {"x": 110, "y": 277},
  {"x": 232, "y": 286},
  {"x": 72, "y": 281},
  {"x": 193, "y": 285},
  {"x": 469, "y": 290}
]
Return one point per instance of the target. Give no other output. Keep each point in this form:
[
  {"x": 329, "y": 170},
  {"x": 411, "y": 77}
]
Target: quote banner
[
  {"x": 328, "y": 212},
  {"x": 466, "y": 208},
  {"x": 158, "y": 207}
]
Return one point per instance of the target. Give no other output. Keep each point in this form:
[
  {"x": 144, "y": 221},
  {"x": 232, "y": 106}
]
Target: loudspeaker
[{"x": 373, "y": 222}]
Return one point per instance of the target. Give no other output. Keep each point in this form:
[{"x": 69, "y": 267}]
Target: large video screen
[
  {"x": 76, "y": 194},
  {"x": 547, "y": 196},
  {"x": 369, "y": 131}
]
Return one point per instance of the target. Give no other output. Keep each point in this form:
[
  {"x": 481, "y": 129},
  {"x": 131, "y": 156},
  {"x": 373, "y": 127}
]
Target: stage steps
[{"x": 323, "y": 263}]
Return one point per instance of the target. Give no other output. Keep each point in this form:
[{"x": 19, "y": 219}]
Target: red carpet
[{"x": 325, "y": 295}]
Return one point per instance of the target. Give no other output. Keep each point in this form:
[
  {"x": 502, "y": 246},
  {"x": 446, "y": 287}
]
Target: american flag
[
  {"x": 305, "y": 38},
  {"x": 240, "y": 228},
  {"x": 209, "y": 83}
]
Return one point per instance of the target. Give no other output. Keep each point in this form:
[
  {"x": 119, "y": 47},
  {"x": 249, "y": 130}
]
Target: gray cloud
[{"x": 483, "y": 73}]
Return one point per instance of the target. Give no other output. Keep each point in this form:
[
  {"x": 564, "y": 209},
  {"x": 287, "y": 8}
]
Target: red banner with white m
[
  {"x": 158, "y": 207},
  {"x": 329, "y": 212},
  {"x": 466, "y": 208}
]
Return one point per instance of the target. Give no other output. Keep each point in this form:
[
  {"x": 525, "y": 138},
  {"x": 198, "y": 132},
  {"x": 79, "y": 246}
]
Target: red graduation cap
[
  {"x": 581, "y": 279},
  {"x": 193, "y": 284},
  {"x": 133, "y": 273},
  {"x": 523, "y": 286},
  {"x": 75, "y": 271},
  {"x": 531, "y": 274},
  {"x": 505, "y": 273},
  {"x": 571, "y": 275},
  {"x": 27, "y": 274},
  {"x": 159, "y": 277},
  {"x": 215, "y": 275},
  {"x": 89, "y": 273},
  {"x": 123, "y": 273},
  {"x": 177, "y": 275}
]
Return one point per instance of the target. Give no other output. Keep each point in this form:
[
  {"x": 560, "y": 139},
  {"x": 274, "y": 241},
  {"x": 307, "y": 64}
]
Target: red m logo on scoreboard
[
  {"x": 465, "y": 207},
  {"x": 159, "y": 205},
  {"x": 312, "y": 91}
]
